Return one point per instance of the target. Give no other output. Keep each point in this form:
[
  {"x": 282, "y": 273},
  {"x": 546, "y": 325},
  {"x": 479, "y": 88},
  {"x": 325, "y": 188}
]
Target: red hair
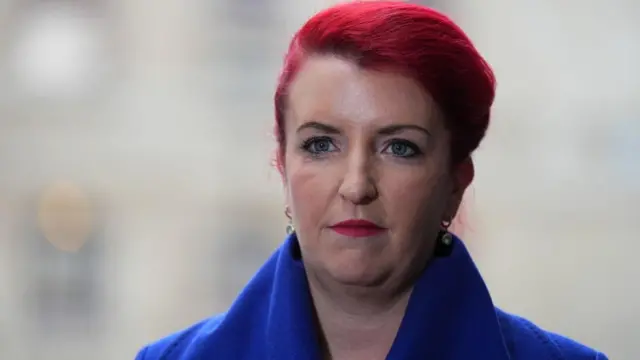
[{"x": 406, "y": 38}]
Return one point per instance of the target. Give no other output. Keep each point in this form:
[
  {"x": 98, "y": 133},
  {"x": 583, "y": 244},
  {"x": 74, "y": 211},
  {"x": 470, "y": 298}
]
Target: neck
[{"x": 357, "y": 323}]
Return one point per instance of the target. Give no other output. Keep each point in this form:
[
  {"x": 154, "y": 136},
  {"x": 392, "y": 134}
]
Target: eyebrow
[
  {"x": 319, "y": 126},
  {"x": 394, "y": 129},
  {"x": 387, "y": 130}
]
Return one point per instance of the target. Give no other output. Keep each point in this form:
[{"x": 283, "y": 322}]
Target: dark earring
[
  {"x": 445, "y": 237},
  {"x": 444, "y": 243},
  {"x": 289, "y": 229}
]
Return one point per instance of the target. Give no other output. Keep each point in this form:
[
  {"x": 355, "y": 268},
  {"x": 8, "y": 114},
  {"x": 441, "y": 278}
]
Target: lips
[{"x": 357, "y": 228}]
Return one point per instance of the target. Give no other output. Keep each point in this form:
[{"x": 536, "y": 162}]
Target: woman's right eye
[{"x": 319, "y": 145}]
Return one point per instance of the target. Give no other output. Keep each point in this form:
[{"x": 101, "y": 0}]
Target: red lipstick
[{"x": 357, "y": 228}]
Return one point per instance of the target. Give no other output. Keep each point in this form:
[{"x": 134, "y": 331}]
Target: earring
[
  {"x": 445, "y": 240},
  {"x": 289, "y": 229},
  {"x": 444, "y": 235}
]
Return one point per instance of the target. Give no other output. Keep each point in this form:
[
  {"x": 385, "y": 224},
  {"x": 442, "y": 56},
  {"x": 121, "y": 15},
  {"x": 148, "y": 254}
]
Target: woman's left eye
[{"x": 402, "y": 148}]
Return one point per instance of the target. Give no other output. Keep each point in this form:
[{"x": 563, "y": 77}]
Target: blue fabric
[{"x": 450, "y": 316}]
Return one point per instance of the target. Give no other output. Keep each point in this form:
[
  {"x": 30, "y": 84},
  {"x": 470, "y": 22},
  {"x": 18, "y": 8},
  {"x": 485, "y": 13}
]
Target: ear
[
  {"x": 278, "y": 162},
  {"x": 462, "y": 176}
]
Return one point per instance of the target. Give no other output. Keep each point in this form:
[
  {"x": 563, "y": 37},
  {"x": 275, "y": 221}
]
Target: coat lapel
[{"x": 450, "y": 315}]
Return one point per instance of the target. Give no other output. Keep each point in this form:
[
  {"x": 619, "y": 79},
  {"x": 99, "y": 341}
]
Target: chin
[{"x": 356, "y": 273}]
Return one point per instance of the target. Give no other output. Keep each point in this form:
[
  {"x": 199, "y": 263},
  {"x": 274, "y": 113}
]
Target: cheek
[
  {"x": 413, "y": 197},
  {"x": 310, "y": 192}
]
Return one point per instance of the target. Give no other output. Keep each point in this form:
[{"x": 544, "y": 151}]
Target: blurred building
[{"x": 135, "y": 142}]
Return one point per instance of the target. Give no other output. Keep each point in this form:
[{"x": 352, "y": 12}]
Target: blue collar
[{"x": 450, "y": 313}]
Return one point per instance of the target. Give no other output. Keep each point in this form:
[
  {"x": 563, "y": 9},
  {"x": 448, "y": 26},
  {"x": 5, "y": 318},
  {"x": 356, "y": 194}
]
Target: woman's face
[{"x": 372, "y": 146}]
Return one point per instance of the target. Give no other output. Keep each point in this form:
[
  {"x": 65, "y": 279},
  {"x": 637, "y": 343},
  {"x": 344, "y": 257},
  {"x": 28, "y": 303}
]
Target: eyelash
[
  {"x": 413, "y": 147},
  {"x": 308, "y": 144}
]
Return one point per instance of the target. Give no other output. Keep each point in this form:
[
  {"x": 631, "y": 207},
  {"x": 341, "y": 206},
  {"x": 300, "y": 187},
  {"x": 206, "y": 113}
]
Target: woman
[{"x": 378, "y": 109}]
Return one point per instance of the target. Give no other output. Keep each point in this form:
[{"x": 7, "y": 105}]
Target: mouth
[{"x": 357, "y": 228}]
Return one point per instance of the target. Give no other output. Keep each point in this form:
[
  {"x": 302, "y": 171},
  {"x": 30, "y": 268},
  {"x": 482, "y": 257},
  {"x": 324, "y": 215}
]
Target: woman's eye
[
  {"x": 402, "y": 148},
  {"x": 319, "y": 145}
]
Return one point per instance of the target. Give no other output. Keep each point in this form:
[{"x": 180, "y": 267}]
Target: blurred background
[{"x": 137, "y": 194}]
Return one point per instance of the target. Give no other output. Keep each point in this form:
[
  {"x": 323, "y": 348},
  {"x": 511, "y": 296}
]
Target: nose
[{"x": 358, "y": 185}]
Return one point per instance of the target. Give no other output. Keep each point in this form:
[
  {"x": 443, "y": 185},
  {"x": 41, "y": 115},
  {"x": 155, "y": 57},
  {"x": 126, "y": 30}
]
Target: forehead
[{"x": 331, "y": 88}]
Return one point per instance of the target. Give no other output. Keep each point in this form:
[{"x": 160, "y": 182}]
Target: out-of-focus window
[
  {"x": 250, "y": 13},
  {"x": 66, "y": 292},
  {"x": 242, "y": 251},
  {"x": 64, "y": 248},
  {"x": 623, "y": 153},
  {"x": 244, "y": 65},
  {"x": 240, "y": 245},
  {"x": 441, "y": 5},
  {"x": 58, "y": 49}
]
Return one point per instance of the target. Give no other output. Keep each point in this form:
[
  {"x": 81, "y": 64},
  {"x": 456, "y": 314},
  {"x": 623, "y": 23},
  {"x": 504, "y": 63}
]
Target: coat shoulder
[
  {"x": 525, "y": 341},
  {"x": 182, "y": 343}
]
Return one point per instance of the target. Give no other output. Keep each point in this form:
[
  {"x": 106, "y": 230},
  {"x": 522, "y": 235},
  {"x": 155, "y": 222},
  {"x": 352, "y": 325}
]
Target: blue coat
[{"x": 450, "y": 316}]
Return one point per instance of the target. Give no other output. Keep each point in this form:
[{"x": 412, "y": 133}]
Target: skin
[{"x": 363, "y": 144}]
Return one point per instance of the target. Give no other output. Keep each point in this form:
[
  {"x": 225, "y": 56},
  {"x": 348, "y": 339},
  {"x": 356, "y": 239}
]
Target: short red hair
[{"x": 406, "y": 38}]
